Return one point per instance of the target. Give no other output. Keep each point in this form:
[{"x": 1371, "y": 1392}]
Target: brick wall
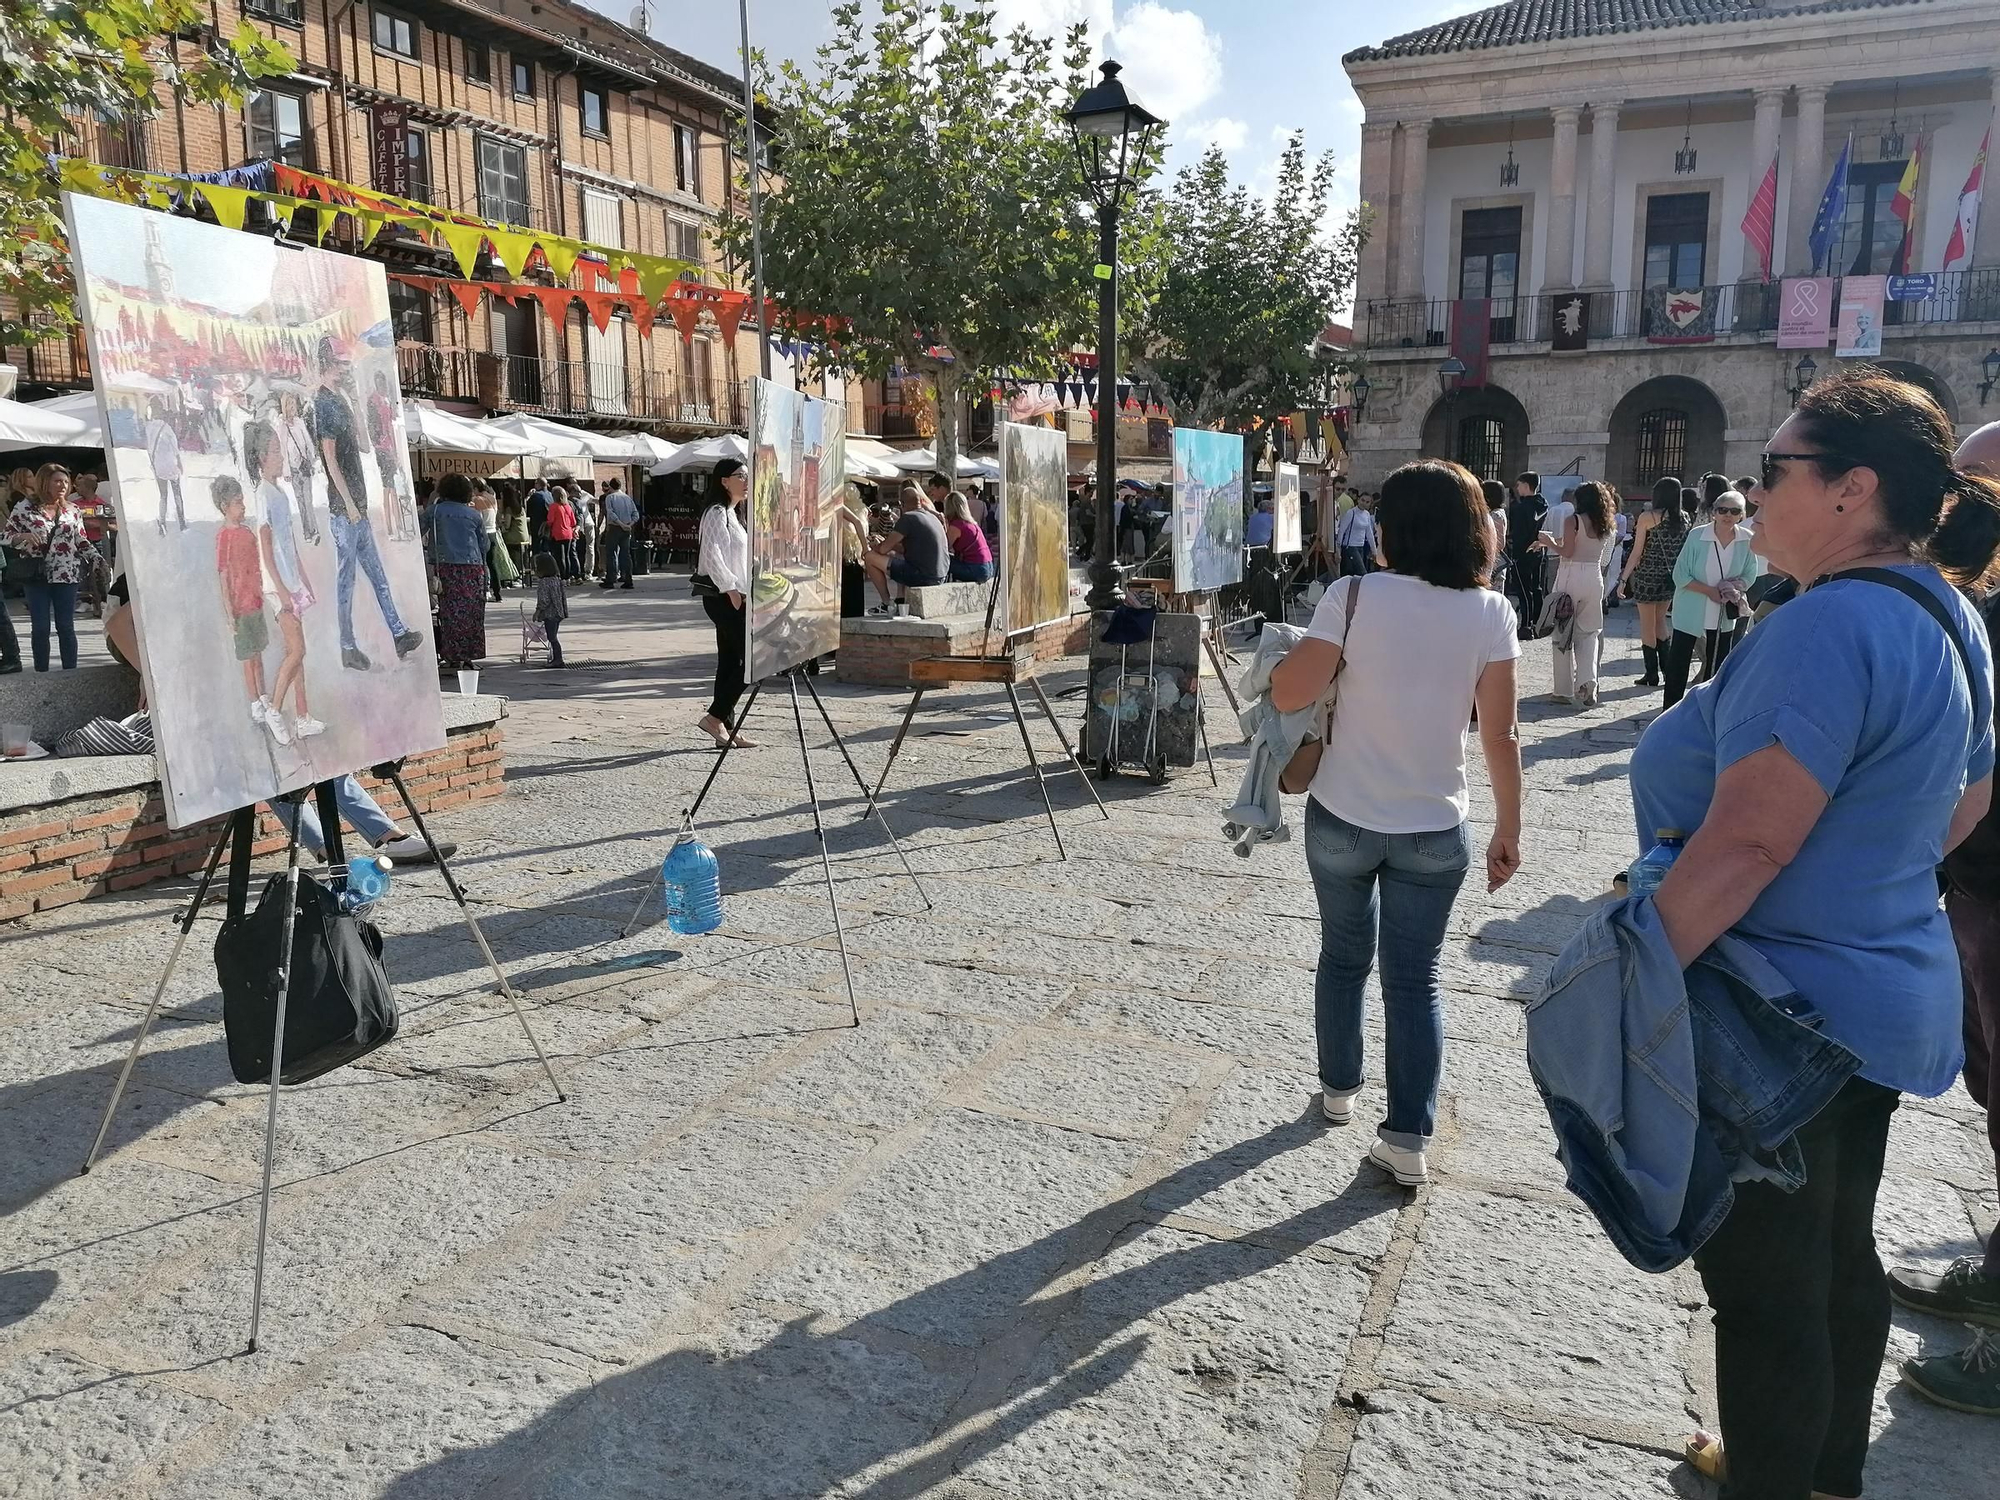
[
  {"x": 64, "y": 851},
  {"x": 881, "y": 659}
]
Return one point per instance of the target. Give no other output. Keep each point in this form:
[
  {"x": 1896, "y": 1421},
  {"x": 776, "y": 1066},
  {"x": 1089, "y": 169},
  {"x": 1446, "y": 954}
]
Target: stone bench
[
  {"x": 944, "y": 600},
  {"x": 51, "y": 704},
  {"x": 77, "y": 826}
]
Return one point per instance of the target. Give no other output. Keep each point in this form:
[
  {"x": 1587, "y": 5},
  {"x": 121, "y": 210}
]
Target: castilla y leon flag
[
  {"x": 1904, "y": 205},
  {"x": 1762, "y": 219},
  {"x": 1959, "y": 251},
  {"x": 1471, "y": 331}
]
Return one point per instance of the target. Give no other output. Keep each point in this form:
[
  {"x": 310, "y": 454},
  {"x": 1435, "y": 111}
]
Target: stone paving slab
[{"x": 1060, "y": 1218}]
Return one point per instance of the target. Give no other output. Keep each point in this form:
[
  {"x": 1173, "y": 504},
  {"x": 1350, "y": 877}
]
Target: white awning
[
  {"x": 916, "y": 460},
  {"x": 25, "y": 424},
  {"x": 868, "y": 459},
  {"x": 559, "y": 440},
  {"x": 705, "y": 453},
  {"x": 441, "y": 432}
]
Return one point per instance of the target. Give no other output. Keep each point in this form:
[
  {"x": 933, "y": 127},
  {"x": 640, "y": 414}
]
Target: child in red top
[{"x": 239, "y": 567}]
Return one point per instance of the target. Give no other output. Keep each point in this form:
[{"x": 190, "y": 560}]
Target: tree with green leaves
[
  {"x": 1247, "y": 287},
  {"x": 63, "y": 62},
  {"x": 931, "y": 200}
]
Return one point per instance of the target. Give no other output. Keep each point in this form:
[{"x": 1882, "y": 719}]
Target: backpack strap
[
  {"x": 1932, "y": 606},
  {"x": 329, "y": 825},
  {"x": 242, "y": 834}
]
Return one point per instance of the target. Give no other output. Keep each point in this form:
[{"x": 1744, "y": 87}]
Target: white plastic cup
[
  {"x": 468, "y": 683},
  {"x": 13, "y": 739}
]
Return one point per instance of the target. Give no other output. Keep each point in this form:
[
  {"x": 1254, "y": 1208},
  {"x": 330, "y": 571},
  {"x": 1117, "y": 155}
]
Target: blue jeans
[
  {"x": 354, "y": 542},
  {"x": 361, "y": 811},
  {"x": 52, "y": 603},
  {"x": 1419, "y": 875},
  {"x": 618, "y": 555}
]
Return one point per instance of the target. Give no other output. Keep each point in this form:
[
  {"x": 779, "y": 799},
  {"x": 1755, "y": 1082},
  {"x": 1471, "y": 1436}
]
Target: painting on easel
[
  {"x": 798, "y": 462},
  {"x": 1285, "y": 530},
  {"x": 1034, "y": 509},
  {"x": 1208, "y": 509}
]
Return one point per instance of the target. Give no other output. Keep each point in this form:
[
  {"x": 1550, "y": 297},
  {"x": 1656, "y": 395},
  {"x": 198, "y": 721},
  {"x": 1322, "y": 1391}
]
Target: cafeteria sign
[{"x": 390, "y": 138}]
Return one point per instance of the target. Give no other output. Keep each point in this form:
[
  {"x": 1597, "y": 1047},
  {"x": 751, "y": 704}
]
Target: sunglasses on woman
[
  {"x": 1729, "y": 510},
  {"x": 1769, "y": 473}
]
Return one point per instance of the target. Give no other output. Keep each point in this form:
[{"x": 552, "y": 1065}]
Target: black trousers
[
  {"x": 1528, "y": 580},
  {"x": 1680, "y": 657},
  {"x": 729, "y": 625},
  {"x": 1802, "y": 1310}
]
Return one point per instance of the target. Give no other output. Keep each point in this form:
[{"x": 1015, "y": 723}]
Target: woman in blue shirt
[
  {"x": 459, "y": 546},
  {"x": 1835, "y": 757}
]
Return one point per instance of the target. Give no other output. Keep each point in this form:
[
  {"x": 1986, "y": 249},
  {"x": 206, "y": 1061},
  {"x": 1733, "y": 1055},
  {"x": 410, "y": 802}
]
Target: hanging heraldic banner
[{"x": 267, "y": 522}]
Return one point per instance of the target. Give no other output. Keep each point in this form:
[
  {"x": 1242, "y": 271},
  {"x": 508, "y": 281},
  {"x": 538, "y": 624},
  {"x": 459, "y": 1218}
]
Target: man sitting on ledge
[{"x": 915, "y": 554}]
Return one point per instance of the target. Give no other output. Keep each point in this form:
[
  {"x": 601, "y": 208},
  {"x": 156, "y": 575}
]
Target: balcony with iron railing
[
  {"x": 1733, "y": 308},
  {"x": 566, "y": 388}
]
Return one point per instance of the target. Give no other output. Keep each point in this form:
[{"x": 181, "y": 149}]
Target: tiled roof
[{"x": 1523, "y": 23}]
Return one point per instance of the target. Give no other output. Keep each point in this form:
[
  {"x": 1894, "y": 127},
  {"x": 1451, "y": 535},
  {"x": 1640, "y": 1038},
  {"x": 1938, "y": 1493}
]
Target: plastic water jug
[
  {"x": 691, "y": 886},
  {"x": 1650, "y": 868},
  {"x": 367, "y": 880}
]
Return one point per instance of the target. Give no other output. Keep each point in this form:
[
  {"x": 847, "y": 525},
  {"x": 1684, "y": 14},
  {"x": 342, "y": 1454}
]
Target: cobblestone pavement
[{"x": 1059, "y": 1219}]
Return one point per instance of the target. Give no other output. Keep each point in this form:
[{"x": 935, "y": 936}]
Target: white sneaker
[
  {"x": 1407, "y": 1167},
  {"x": 275, "y": 722},
  {"x": 1337, "y": 1107},
  {"x": 258, "y": 709},
  {"x": 305, "y": 726}
]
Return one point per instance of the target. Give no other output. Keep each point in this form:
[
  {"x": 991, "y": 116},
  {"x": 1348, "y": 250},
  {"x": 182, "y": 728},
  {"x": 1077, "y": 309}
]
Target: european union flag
[{"x": 1832, "y": 210}]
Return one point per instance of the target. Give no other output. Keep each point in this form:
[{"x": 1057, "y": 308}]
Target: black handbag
[
  {"x": 703, "y": 586},
  {"x": 24, "y": 568},
  {"x": 341, "y": 1005}
]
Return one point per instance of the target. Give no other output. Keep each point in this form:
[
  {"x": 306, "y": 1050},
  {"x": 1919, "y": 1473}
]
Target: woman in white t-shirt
[{"x": 1385, "y": 823}]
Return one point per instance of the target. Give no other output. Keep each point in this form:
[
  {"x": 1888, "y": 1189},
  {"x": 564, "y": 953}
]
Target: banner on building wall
[
  {"x": 1805, "y": 312},
  {"x": 1921, "y": 286},
  {"x": 1570, "y": 332},
  {"x": 389, "y": 133},
  {"x": 1680, "y": 315},
  {"x": 1471, "y": 331},
  {"x": 1861, "y": 317}
]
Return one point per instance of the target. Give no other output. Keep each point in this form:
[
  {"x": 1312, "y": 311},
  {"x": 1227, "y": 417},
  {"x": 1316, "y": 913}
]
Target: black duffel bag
[{"x": 341, "y": 1005}]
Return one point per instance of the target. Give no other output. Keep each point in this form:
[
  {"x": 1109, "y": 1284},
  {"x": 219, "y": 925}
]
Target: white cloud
[
  {"x": 1224, "y": 132},
  {"x": 1172, "y": 60}
]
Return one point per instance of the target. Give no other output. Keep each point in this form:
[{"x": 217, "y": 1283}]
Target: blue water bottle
[
  {"x": 691, "y": 886},
  {"x": 367, "y": 881},
  {"x": 1650, "y": 868}
]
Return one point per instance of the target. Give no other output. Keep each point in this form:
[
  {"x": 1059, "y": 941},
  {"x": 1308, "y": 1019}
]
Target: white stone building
[{"x": 1614, "y": 146}]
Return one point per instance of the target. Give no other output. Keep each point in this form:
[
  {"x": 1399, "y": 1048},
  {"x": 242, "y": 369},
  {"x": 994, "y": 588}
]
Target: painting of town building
[
  {"x": 1208, "y": 509},
  {"x": 1034, "y": 510},
  {"x": 267, "y": 520},
  {"x": 1285, "y": 530},
  {"x": 798, "y": 463}
]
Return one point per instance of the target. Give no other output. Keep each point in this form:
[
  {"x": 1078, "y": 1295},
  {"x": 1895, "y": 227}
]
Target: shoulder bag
[{"x": 1304, "y": 764}]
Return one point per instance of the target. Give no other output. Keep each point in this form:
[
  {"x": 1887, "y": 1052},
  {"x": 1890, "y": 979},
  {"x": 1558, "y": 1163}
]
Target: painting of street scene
[
  {"x": 1285, "y": 529},
  {"x": 1208, "y": 509},
  {"x": 798, "y": 462},
  {"x": 1034, "y": 510},
  {"x": 267, "y": 519}
]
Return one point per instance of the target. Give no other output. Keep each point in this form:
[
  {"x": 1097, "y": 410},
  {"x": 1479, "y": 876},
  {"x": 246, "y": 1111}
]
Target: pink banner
[
  {"x": 1805, "y": 312},
  {"x": 1861, "y": 317}
]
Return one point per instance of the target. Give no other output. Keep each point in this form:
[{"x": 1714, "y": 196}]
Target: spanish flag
[{"x": 1904, "y": 206}]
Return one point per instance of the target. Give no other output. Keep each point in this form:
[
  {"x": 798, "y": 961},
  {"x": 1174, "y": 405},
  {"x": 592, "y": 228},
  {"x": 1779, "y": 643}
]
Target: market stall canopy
[
  {"x": 917, "y": 460},
  {"x": 26, "y": 424},
  {"x": 647, "y": 449},
  {"x": 704, "y": 453},
  {"x": 868, "y": 459},
  {"x": 441, "y": 432},
  {"x": 559, "y": 440}
]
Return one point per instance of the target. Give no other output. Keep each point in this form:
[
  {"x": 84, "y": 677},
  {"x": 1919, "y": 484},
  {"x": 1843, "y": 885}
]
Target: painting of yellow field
[{"x": 1034, "y": 515}]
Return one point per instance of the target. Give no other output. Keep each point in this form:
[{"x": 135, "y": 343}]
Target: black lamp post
[
  {"x": 1802, "y": 377},
  {"x": 1451, "y": 374},
  {"x": 1359, "y": 390},
  {"x": 1112, "y": 131},
  {"x": 1990, "y": 368}
]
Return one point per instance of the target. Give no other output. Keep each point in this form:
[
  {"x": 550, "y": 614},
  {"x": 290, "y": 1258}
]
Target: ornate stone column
[
  {"x": 1986, "y": 243},
  {"x": 1763, "y": 146},
  {"x": 1603, "y": 168},
  {"x": 1559, "y": 270},
  {"x": 1372, "y": 277},
  {"x": 1410, "y": 213},
  {"x": 1808, "y": 176}
]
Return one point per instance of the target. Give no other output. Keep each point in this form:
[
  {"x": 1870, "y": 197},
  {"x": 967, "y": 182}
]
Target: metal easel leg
[
  {"x": 1201, "y": 725},
  {"x": 825, "y": 859},
  {"x": 1215, "y": 657},
  {"x": 687, "y": 815},
  {"x": 284, "y": 983},
  {"x": 479, "y": 937},
  {"x": 1035, "y": 765},
  {"x": 160, "y": 991},
  {"x": 1056, "y": 724},
  {"x": 896, "y": 745},
  {"x": 841, "y": 745}
]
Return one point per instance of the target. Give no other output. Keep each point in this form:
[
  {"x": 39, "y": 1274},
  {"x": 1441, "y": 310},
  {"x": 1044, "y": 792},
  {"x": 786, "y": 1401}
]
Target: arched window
[
  {"x": 1663, "y": 444},
  {"x": 1481, "y": 443}
]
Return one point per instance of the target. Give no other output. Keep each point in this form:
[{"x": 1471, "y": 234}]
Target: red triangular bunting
[
  {"x": 555, "y": 302},
  {"x": 727, "y": 316},
  {"x": 642, "y": 315},
  {"x": 686, "y": 312},
  {"x": 465, "y": 294},
  {"x": 598, "y": 305}
]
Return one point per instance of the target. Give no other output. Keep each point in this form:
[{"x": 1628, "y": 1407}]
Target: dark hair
[
  {"x": 224, "y": 490},
  {"x": 1670, "y": 500},
  {"x": 1745, "y": 484},
  {"x": 1712, "y": 487},
  {"x": 1433, "y": 524},
  {"x": 1495, "y": 493},
  {"x": 1871, "y": 420},
  {"x": 1531, "y": 479},
  {"x": 545, "y": 565},
  {"x": 455, "y": 488},
  {"x": 258, "y": 437},
  {"x": 1594, "y": 503},
  {"x": 937, "y": 481},
  {"x": 727, "y": 466}
]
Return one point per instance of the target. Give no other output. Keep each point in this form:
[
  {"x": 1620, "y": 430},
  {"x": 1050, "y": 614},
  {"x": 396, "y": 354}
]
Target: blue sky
[{"x": 1240, "y": 73}]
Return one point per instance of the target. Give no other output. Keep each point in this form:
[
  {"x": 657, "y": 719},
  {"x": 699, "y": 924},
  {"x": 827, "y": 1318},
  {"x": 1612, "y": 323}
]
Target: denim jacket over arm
[
  {"x": 1666, "y": 1087},
  {"x": 1258, "y": 816}
]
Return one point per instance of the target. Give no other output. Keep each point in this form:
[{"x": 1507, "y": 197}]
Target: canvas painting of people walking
[
  {"x": 798, "y": 462},
  {"x": 1034, "y": 509},
  {"x": 268, "y": 532},
  {"x": 1285, "y": 529},
  {"x": 1208, "y": 509}
]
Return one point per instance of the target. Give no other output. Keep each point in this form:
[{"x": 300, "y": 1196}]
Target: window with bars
[
  {"x": 1662, "y": 446},
  {"x": 395, "y": 33},
  {"x": 1482, "y": 446},
  {"x": 503, "y": 181}
]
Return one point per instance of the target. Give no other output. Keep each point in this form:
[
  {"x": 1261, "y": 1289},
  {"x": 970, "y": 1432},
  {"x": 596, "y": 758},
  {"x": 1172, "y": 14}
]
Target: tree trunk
[{"x": 946, "y": 445}]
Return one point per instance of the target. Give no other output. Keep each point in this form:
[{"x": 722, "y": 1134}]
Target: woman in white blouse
[
  {"x": 725, "y": 562},
  {"x": 1712, "y": 578}
]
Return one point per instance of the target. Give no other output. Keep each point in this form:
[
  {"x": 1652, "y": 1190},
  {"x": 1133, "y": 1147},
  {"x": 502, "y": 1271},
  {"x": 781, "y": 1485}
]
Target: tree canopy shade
[
  {"x": 1246, "y": 289},
  {"x": 65, "y": 61},
  {"x": 931, "y": 199}
]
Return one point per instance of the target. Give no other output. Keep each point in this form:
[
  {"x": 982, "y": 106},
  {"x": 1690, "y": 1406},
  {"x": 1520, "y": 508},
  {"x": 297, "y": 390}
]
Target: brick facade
[{"x": 59, "y": 852}]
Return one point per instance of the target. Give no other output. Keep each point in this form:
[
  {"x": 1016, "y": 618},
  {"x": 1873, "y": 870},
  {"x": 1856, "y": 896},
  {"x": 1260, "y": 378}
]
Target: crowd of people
[{"x": 1830, "y": 772}]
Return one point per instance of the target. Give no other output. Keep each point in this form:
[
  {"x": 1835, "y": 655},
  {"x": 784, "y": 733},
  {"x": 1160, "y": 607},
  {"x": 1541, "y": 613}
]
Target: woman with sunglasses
[
  {"x": 1823, "y": 774},
  {"x": 1712, "y": 579}
]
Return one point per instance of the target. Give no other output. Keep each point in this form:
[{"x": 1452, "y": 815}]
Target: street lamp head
[
  {"x": 1990, "y": 368},
  {"x": 1361, "y": 389},
  {"x": 1111, "y": 130},
  {"x": 1450, "y": 374},
  {"x": 1807, "y": 369}
]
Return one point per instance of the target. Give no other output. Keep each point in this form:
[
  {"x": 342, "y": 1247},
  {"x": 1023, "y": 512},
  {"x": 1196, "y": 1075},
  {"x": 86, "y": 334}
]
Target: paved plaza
[{"x": 1060, "y": 1219}]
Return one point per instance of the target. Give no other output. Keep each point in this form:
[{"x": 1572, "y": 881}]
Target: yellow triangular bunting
[
  {"x": 228, "y": 203},
  {"x": 464, "y": 240}
]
